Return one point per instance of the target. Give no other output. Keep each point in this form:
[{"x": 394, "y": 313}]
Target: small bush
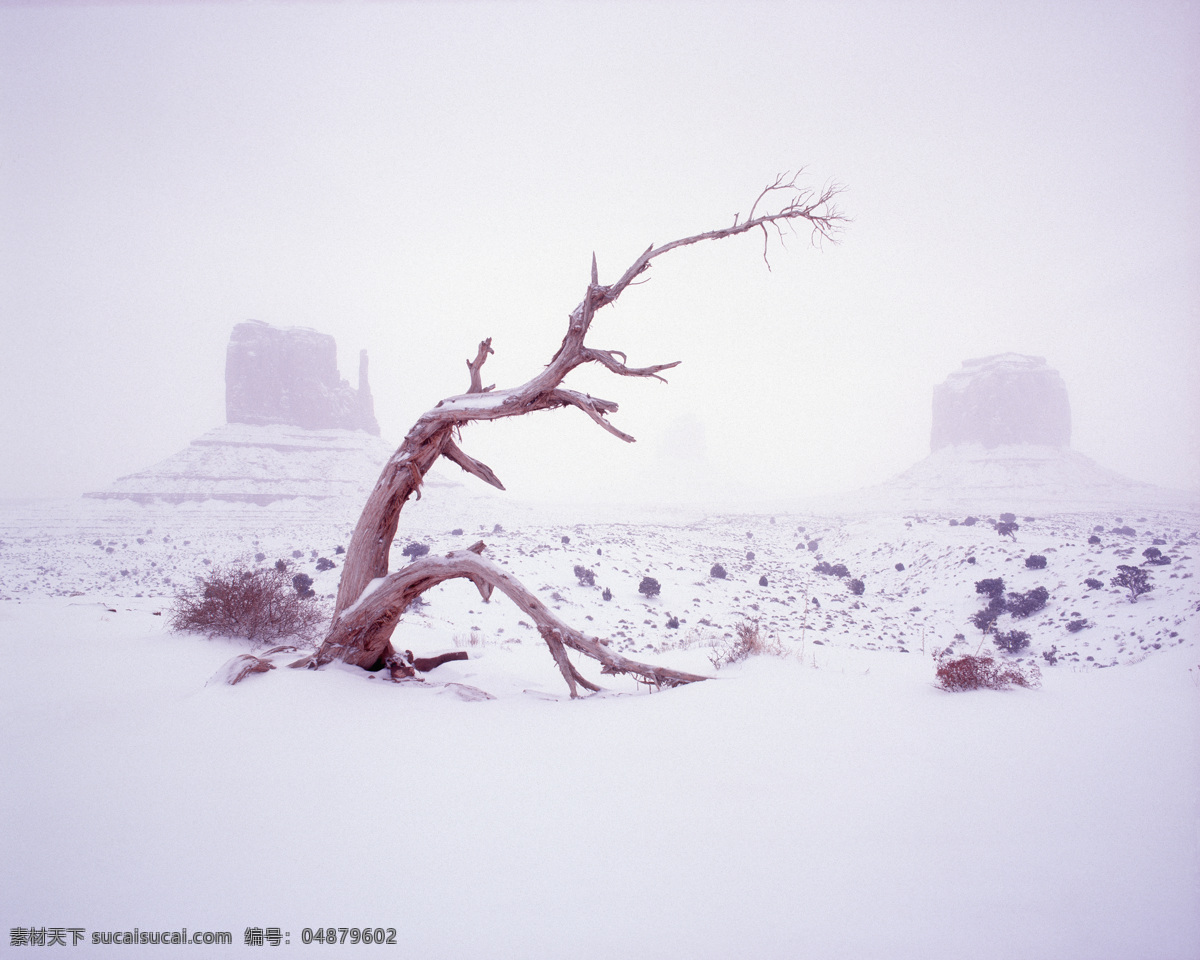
[
  {"x": 717, "y": 571},
  {"x": 456, "y": 532},
  {"x": 1011, "y": 642},
  {"x": 1076, "y": 625},
  {"x": 338, "y": 550},
  {"x": 1155, "y": 557},
  {"x": 1157, "y": 541},
  {"x": 1094, "y": 540},
  {"x": 255, "y": 604},
  {"x": 1133, "y": 579},
  {"x": 954, "y": 523},
  {"x": 857, "y": 587},
  {"x": 1008, "y": 518},
  {"x": 606, "y": 595},
  {"x": 1028, "y": 603},
  {"x": 323, "y": 564},
  {"x": 749, "y": 554},
  {"x": 281, "y": 566},
  {"x": 1035, "y": 561},
  {"x": 991, "y": 587},
  {"x": 1092, "y": 583},
  {"x": 971, "y": 560},
  {"x": 762, "y": 581},
  {"x": 649, "y": 587},
  {"x": 586, "y": 577},
  {"x": 297, "y": 554},
  {"x": 415, "y": 550},
  {"x": 260, "y": 557},
  {"x": 900, "y": 567},
  {"x": 302, "y": 583},
  {"x": 1124, "y": 531},
  {"x": 986, "y": 618},
  {"x": 812, "y": 546},
  {"x": 1006, "y": 528},
  {"x": 672, "y": 623},
  {"x": 970, "y": 521},
  {"x": 970, "y": 672},
  {"x": 1051, "y": 655}
]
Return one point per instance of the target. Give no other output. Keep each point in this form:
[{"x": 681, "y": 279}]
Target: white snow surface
[{"x": 829, "y": 802}]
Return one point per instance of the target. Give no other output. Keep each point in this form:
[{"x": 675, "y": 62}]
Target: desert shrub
[
  {"x": 749, "y": 554},
  {"x": 260, "y": 557},
  {"x": 323, "y": 564},
  {"x": 672, "y": 623},
  {"x": 762, "y": 581},
  {"x": 339, "y": 550},
  {"x": 1133, "y": 579},
  {"x": 255, "y": 604},
  {"x": 297, "y": 554},
  {"x": 986, "y": 618},
  {"x": 606, "y": 595},
  {"x": 812, "y": 546},
  {"x": 456, "y": 532},
  {"x": 649, "y": 587},
  {"x": 1092, "y": 583},
  {"x": 1028, "y": 603},
  {"x": 415, "y": 550},
  {"x": 1076, "y": 625},
  {"x": 497, "y": 529},
  {"x": 281, "y": 566},
  {"x": 954, "y": 523},
  {"x": 971, "y": 560},
  {"x": 746, "y": 642},
  {"x": 900, "y": 567},
  {"x": 970, "y": 672},
  {"x": 1157, "y": 541},
  {"x": 1008, "y": 518},
  {"x": 1035, "y": 561},
  {"x": 717, "y": 571},
  {"x": 1124, "y": 531},
  {"x": 1094, "y": 540},
  {"x": 586, "y": 577},
  {"x": 970, "y": 521},
  {"x": 1155, "y": 557},
  {"x": 1051, "y": 655},
  {"x": 1011, "y": 642},
  {"x": 857, "y": 587},
  {"x": 990, "y": 587},
  {"x": 1007, "y": 528},
  {"x": 302, "y": 584}
]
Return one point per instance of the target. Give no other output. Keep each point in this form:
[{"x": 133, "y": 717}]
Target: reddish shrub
[
  {"x": 260, "y": 605},
  {"x": 970, "y": 672}
]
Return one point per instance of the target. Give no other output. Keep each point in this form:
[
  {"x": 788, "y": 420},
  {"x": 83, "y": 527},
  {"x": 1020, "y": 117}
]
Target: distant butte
[{"x": 290, "y": 377}]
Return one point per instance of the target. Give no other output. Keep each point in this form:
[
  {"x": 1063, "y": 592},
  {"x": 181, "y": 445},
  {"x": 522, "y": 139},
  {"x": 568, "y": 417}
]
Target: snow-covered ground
[{"x": 828, "y": 802}]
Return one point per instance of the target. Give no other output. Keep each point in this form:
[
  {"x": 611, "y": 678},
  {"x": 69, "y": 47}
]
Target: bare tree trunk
[{"x": 370, "y": 601}]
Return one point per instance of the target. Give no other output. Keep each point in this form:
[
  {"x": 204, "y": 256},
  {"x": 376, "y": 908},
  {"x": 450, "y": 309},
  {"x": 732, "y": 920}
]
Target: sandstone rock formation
[
  {"x": 1006, "y": 399},
  {"x": 290, "y": 377}
]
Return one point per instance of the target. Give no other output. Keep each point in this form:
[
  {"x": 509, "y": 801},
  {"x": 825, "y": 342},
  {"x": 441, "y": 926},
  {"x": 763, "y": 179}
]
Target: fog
[{"x": 412, "y": 178}]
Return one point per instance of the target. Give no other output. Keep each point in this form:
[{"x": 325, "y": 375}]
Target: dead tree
[{"x": 370, "y": 600}]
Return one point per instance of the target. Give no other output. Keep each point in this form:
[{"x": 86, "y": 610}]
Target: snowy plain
[{"x": 829, "y": 802}]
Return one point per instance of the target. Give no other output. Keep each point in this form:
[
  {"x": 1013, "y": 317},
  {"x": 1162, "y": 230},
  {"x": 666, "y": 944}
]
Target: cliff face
[
  {"x": 1006, "y": 399},
  {"x": 290, "y": 377}
]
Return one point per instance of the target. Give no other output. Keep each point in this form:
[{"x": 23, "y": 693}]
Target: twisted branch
[{"x": 366, "y": 641}]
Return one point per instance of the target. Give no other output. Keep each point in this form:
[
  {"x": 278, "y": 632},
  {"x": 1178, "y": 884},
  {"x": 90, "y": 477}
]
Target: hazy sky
[{"x": 414, "y": 177}]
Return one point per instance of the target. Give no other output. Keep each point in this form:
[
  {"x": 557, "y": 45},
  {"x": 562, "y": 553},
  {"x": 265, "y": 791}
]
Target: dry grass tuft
[{"x": 747, "y": 642}]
